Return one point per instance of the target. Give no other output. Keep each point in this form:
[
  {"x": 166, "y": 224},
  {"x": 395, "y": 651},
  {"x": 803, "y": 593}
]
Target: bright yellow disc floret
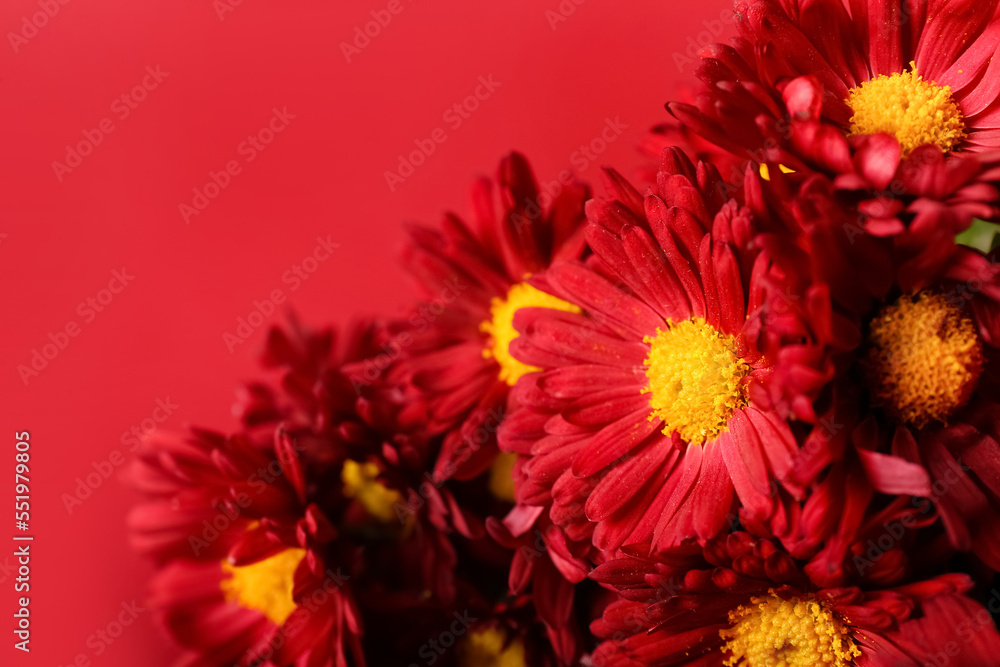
[
  {"x": 695, "y": 379},
  {"x": 773, "y": 632},
  {"x": 913, "y": 110}
]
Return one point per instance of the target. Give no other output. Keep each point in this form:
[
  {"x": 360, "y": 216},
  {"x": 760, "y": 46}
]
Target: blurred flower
[
  {"x": 474, "y": 278},
  {"x": 543, "y": 564},
  {"x": 243, "y": 576},
  {"x": 274, "y": 541}
]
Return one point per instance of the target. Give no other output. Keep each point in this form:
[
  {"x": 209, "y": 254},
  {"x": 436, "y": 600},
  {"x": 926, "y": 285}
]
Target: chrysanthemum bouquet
[{"x": 743, "y": 414}]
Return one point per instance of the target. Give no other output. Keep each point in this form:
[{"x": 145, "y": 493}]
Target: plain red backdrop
[{"x": 223, "y": 69}]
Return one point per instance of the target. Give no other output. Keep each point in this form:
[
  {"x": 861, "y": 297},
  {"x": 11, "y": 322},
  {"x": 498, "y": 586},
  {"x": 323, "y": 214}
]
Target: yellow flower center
[
  {"x": 360, "y": 481},
  {"x": 502, "y": 477},
  {"x": 772, "y": 632},
  {"x": 265, "y": 586},
  {"x": 501, "y": 331},
  {"x": 924, "y": 360},
  {"x": 488, "y": 647},
  {"x": 913, "y": 110},
  {"x": 695, "y": 379}
]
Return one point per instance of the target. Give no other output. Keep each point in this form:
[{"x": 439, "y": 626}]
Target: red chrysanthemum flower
[
  {"x": 928, "y": 365},
  {"x": 244, "y": 579},
  {"x": 895, "y": 102},
  {"x": 274, "y": 541},
  {"x": 741, "y": 601},
  {"x": 452, "y": 355},
  {"x": 922, "y": 74},
  {"x": 655, "y": 400},
  {"x": 454, "y": 347},
  {"x": 914, "y": 347}
]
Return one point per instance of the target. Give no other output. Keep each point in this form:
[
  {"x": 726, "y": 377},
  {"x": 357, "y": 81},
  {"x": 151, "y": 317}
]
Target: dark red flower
[
  {"x": 274, "y": 541},
  {"x": 244, "y": 577},
  {"x": 454, "y": 347},
  {"x": 914, "y": 350},
  {"x": 742, "y": 601},
  {"x": 542, "y": 563},
  {"x": 656, "y": 403},
  {"x": 452, "y": 354},
  {"x": 923, "y": 74},
  {"x": 884, "y": 99}
]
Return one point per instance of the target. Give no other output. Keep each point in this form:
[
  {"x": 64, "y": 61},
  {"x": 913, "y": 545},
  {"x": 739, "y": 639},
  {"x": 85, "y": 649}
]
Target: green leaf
[{"x": 983, "y": 236}]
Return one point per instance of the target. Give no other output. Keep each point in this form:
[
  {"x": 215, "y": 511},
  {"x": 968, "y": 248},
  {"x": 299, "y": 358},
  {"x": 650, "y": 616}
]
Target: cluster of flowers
[{"x": 743, "y": 414}]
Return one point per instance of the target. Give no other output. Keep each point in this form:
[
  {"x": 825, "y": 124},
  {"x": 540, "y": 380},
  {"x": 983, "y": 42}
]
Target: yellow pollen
[
  {"x": 913, "y": 110},
  {"x": 501, "y": 331},
  {"x": 924, "y": 360},
  {"x": 765, "y": 172},
  {"x": 501, "y": 477},
  {"x": 695, "y": 379},
  {"x": 265, "y": 586},
  {"x": 772, "y": 632},
  {"x": 360, "y": 481},
  {"x": 488, "y": 647}
]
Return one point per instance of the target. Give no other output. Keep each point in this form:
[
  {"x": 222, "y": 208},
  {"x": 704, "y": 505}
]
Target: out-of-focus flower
[
  {"x": 244, "y": 577},
  {"x": 273, "y": 541},
  {"x": 473, "y": 278}
]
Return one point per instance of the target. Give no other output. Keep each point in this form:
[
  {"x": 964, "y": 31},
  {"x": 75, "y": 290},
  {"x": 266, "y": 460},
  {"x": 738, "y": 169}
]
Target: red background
[{"x": 162, "y": 336}]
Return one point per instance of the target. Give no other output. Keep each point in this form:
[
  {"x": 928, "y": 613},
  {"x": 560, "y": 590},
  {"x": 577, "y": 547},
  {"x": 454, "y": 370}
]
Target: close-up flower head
[{"x": 712, "y": 380}]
